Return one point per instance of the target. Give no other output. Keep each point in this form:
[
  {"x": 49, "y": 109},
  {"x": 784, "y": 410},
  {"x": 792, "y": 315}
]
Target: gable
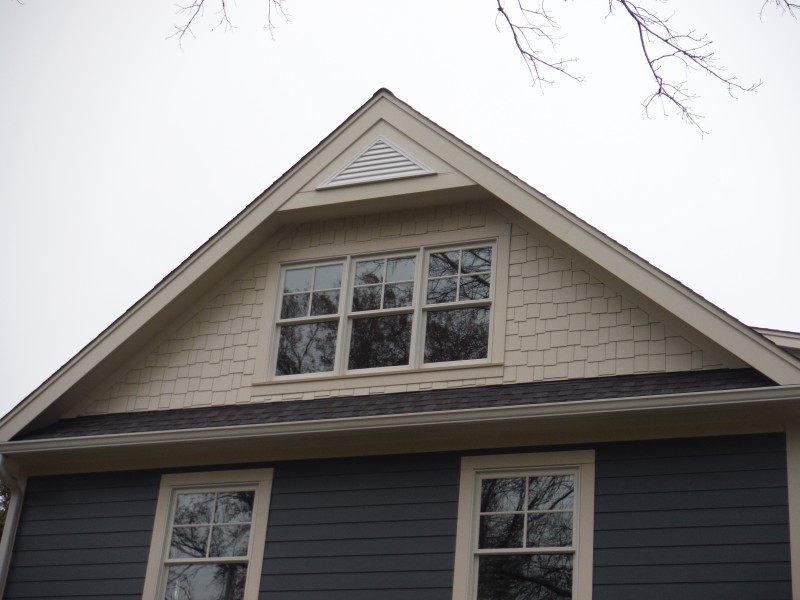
[
  {"x": 557, "y": 321},
  {"x": 626, "y": 298}
]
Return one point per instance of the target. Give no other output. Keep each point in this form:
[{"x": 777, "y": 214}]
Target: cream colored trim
[
  {"x": 430, "y": 373},
  {"x": 788, "y": 340},
  {"x": 258, "y": 479},
  {"x": 793, "y": 483},
  {"x": 766, "y": 397},
  {"x": 581, "y": 461}
]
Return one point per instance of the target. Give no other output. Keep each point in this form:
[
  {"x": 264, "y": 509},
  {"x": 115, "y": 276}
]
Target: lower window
[
  {"x": 208, "y": 537},
  {"x": 525, "y": 527}
]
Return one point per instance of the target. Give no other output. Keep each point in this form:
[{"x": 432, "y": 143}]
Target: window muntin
[
  {"x": 208, "y": 538},
  {"x": 381, "y": 319},
  {"x": 525, "y": 525}
]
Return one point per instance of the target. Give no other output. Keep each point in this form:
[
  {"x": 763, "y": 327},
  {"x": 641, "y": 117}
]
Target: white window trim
[
  {"x": 472, "y": 467},
  {"x": 260, "y": 480}
]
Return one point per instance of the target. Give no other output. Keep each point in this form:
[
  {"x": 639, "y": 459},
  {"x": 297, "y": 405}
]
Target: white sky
[{"x": 120, "y": 153}]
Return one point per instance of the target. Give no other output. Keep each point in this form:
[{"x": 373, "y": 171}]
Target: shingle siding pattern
[
  {"x": 695, "y": 519},
  {"x": 362, "y": 529},
  {"x": 564, "y": 322},
  {"x": 84, "y": 536},
  {"x": 418, "y": 402},
  {"x": 560, "y": 322}
]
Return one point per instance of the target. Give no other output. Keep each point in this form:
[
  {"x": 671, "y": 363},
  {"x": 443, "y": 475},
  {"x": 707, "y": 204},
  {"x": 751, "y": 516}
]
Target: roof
[
  {"x": 429, "y": 401},
  {"x": 291, "y": 195}
]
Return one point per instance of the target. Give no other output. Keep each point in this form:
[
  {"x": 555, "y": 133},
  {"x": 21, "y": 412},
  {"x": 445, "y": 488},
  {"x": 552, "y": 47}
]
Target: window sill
[{"x": 350, "y": 381}]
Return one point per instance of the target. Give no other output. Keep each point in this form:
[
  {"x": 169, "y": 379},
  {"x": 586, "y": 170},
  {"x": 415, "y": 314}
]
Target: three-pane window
[{"x": 427, "y": 306}]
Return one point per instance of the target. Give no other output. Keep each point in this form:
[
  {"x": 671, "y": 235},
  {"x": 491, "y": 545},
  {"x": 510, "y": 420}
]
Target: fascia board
[
  {"x": 784, "y": 339},
  {"x": 735, "y": 337},
  {"x": 751, "y": 397}
]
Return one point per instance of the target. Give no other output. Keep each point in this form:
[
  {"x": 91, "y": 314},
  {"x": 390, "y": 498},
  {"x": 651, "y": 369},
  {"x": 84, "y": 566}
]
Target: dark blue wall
[
  {"x": 694, "y": 519},
  {"x": 680, "y": 519},
  {"x": 84, "y": 536}
]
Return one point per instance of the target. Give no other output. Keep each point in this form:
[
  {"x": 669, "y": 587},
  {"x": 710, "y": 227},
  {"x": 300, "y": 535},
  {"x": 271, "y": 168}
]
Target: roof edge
[{"x": 763, "y": 396}]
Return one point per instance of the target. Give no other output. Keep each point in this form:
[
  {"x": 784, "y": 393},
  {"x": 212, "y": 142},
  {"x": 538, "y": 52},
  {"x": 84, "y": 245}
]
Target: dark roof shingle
[{"x": 427, "y": 401}]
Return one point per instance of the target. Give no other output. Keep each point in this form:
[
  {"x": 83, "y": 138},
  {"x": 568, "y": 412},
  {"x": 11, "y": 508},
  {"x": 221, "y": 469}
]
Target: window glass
[
  {"x": 307, "y": 348},
  {"x": 446, "y": 275},
  {"x": 380, "y": 342},
  {"x": 525, "y": 577},
  {"x": 206, "y": 582},
  {"x": 311, "y": 291},
  {"x": 460, "y": 334}
]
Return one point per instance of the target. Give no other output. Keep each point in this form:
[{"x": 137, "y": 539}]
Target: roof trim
[
  {"x": 765, "y": 396},
  {"x": 789, "y": 340}
]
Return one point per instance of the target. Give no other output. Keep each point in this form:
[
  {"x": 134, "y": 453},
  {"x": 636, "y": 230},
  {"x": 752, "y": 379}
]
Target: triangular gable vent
[{"x": 379, "y": 161}]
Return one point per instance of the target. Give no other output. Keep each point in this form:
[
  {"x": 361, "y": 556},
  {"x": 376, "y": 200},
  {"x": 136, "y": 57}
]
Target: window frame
[
  {"x": 581, "y": 463},
  {"x": 419, "y": 309},
  {"x": 258, "y": 480}
]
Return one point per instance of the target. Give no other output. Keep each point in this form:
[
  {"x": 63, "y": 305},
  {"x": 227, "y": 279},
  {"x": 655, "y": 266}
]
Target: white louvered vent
[{"x": 379, "y": 161}]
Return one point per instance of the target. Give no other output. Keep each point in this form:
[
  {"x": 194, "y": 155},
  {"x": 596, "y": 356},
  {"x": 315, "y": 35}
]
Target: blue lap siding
[
  {"x": 84, "y": 536},
  {"x": 694, "y": 519},
  {"x": 689, "y": 519},
  {"x": 371, "y": 528}
]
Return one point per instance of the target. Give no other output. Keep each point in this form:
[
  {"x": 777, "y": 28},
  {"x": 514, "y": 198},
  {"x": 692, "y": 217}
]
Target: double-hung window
[
  {"x": 525, "y": 527},
  {"x": 401, "y": 310},
  {"x": 208, "y": 537}
]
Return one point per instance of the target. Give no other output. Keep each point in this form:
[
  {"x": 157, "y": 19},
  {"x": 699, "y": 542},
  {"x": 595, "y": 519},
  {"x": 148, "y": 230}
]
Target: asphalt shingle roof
[{"x": 426, "y": 401}]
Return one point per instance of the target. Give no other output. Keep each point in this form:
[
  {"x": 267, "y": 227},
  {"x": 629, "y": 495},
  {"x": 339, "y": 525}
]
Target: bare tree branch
[
  {"x": 277, "y": 7},
  {"x": 533, "y": 27},
  {"x": 193, "y": 10},
  {"x": 661, "y": 43},
  {"x": 784, "y": 5},
  {"x": 533, "y": 23}
]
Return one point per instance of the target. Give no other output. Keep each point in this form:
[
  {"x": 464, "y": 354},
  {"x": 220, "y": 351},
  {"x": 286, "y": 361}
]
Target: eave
[{"x": 679, "y": 415}]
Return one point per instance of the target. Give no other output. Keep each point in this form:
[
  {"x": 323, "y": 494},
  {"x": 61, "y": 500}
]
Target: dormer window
[{"x": 395, "y": 311}]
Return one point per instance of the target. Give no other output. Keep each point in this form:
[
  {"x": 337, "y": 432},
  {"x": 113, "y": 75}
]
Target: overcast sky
[{"x": 121, "y": 153}]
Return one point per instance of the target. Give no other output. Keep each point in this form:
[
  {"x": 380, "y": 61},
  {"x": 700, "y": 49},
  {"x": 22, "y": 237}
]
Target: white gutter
[
  {"x": 749, "y": 397},
  {"x": 17, "y": 489}
]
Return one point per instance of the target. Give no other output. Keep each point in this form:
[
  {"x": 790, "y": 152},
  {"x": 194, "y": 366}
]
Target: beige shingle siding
[{"x": 561, "y": 322}]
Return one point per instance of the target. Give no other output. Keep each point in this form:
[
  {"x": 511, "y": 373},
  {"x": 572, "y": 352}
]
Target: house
[{"x": 403, "y": 373}]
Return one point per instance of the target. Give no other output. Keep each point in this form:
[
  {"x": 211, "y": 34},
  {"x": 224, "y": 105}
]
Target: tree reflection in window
[
  {"x": 308, "y": 293},
  {"x": 456, "y": 277},
  {"x": 534, "y": 514},
  {"x": 209, "y": 525},
  {"x": 382, "y": 340}
]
